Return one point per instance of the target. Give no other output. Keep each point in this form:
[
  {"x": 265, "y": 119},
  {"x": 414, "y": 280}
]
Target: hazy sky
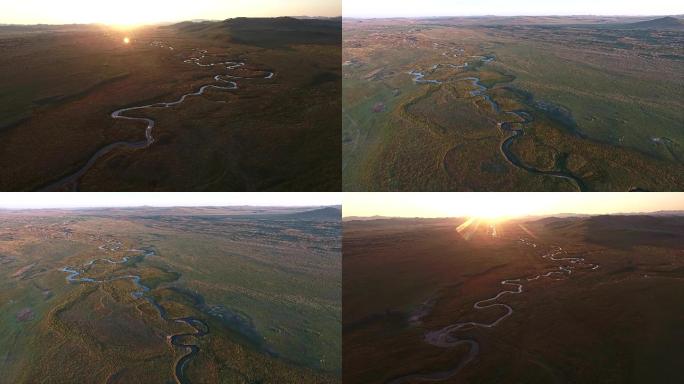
[
  {"x": 505, "y": 204},
  {"x": 83, "y": 200},
  {"x": 416, "y": 8},
  {"x": 127, "y": 12}
]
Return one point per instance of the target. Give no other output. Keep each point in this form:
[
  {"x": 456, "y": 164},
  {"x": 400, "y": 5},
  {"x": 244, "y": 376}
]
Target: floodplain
[
  {"x": 513, "y": 104},
  {"x": 171, "y": 295},
  {"x": 552, "y": 299},
  {"x": 244, "y": 104}
]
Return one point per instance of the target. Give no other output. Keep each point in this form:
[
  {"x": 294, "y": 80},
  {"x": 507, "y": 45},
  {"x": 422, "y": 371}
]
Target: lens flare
[{"x": 126, "y": 40}]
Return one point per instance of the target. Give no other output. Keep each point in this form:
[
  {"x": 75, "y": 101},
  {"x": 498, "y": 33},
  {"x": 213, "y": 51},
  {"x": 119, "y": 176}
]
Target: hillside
[
  {"x": 268, "y": 32},
  {"x": 661, "y": 23},
  {"x": 625, "y": 231},
  {"x": 304, "y": 213},
  {"x": 326, "y": 213},
  {"x": 162, "y": 211}
]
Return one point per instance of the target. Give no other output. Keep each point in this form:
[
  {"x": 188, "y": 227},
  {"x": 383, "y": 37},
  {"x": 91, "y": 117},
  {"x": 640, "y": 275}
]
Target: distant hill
[
  {"x": 510, "y": 20},
  {"x": 668, "y": 22},
  {"x": 268, "y": 32},
  {"x": 146, "y": 211},
  {"x": 665, "y": 213},
  {"x": 22, "y": 28},
  {"x": 609, "y": 22},
  {"x": 325, "y": 213},
  {"x": 280, "y": 23},
  {"x": 621, "y": 231},
  {"x": 557, "y": 221},
  {"x": 365, "y": 218}
]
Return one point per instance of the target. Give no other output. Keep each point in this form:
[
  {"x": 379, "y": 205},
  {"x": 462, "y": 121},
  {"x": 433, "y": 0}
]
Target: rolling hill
[
  {"x": 326, "y": 213},
  {"x": 668, "y": 22},
  {"x": 625, "y": 231},
  {"x": 268, "y": 32}
]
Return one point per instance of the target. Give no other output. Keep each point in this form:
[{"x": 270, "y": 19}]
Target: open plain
[
  {"x": 170, "y": 295},
  {"x": 241, "y": 104},
  {"x": 568, "y": 299},
  {"x": 513, "y": 104}
]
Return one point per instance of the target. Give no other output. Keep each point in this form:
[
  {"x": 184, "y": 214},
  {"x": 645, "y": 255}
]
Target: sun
[
  {"x": 488, "y": 208},
  {"x": 490, "y": 212},
  {"x": 126, "y": 40}
]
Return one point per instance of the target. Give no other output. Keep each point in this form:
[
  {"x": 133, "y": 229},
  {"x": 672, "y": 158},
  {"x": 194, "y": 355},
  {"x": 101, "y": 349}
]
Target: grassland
[
  {"x": 405, "y": 278},
  {"x": 265, "y": 283},
  {"x": 603, "y": 97},
  {"x": 61, "y": 84}
]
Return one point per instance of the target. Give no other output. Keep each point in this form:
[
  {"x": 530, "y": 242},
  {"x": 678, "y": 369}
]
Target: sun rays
[
  {"x": 501, "y": 206},
  {"x": 524, "y": 228},
  {"x": 470, "y": 227}
]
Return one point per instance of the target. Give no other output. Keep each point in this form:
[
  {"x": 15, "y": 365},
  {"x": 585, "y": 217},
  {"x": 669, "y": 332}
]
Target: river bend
[
  {"x": 220, "y": 82},
  {"x": 75, "y": 276},
  {"x": 447, "y": 337},
  {"x": 514, "y": 128}
]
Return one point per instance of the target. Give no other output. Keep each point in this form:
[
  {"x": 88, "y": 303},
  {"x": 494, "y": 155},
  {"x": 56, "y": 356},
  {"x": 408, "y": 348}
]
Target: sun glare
[
  {"x": 136, "y": 13},
  {"x": 488, "y": 208},
  {"x": 492, "y": 213},
  {"x": 494, "y": 207},
  {"x": 126, "y": 40}
]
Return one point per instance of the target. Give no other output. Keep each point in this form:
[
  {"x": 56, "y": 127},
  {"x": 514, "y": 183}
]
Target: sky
[
  {"x": 168, "y": 199},
  {"x": 132, "y": 12},
  {"x": 420, "y": 8},
  {"x": 509, "y": 204}
]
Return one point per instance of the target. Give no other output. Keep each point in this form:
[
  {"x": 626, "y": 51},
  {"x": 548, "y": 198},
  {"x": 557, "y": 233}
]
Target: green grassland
[
  {"x": 268, "y": 288},
  {"x": 602, "y": 111},
  {"x": 615, "y": 97}
]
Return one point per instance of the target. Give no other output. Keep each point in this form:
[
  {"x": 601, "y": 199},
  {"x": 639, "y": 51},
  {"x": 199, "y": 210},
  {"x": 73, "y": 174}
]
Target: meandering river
[
  {"x": 514, "y": 128},
  {"x": 447, "y": 337},
  {"x": 221, "y": 82},
  {"x": 74, "y": 276}
]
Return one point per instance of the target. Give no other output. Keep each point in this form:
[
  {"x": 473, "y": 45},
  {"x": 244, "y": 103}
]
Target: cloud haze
[
  {"x": 168, "y": 199},
  {"x": 449, "y": 204},
  {"x": 153, "y": 11}
]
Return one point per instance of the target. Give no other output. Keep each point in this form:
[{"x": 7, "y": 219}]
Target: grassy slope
[
  {"x": 620, "y": 100},
  {"x": 60, "y": 77},
  {"x": 271, "y": 286}
]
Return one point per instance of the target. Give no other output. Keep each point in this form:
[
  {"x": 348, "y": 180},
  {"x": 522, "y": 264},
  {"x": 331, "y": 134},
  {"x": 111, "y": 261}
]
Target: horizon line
[
  {"x": 167, "y": 206},
  {"x": 519, "y": 216},
  {"x": 99, "y": 23},
  {"x": 516, "y": 15}
]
